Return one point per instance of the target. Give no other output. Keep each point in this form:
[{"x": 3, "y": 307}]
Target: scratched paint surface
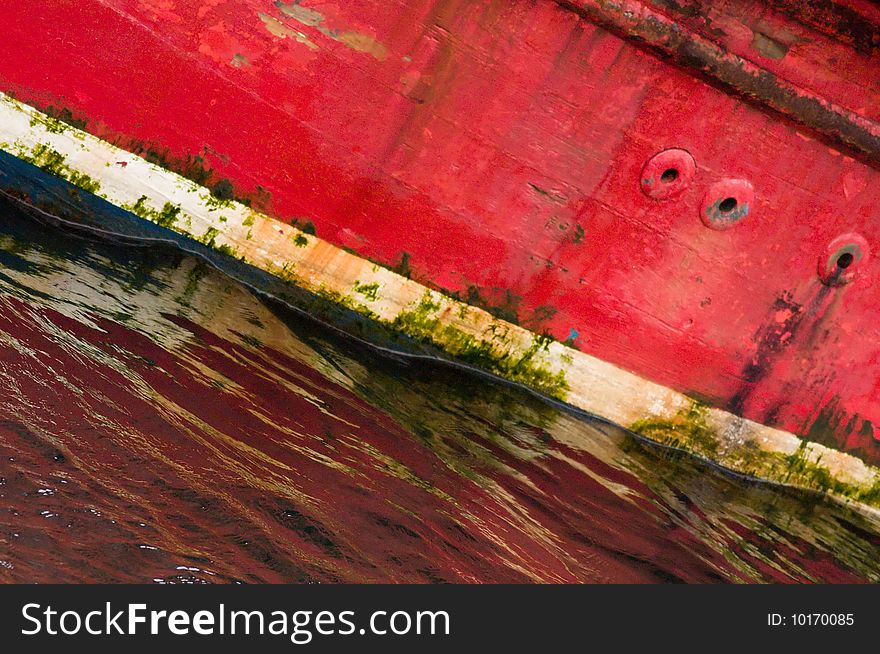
[
  {"x": 494, "y": 149},
  {"x": 158, "y": 423}
]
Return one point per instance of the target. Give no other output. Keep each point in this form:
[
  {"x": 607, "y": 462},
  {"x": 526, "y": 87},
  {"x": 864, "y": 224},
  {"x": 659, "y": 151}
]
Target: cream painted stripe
[{"x": 461, "y": 330}]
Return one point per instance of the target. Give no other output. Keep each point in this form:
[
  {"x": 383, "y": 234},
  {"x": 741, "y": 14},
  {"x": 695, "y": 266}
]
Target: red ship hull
[{"x": 502, "y": 153}]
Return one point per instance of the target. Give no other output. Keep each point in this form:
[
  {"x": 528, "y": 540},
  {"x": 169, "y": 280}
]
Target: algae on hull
[
  {"x": 687, "y": 430},
  {"x": 494, "y": 354},
  {"x": 370, "y": 291},
  {"x": 55, "y": 163},
  {"x": 166, "y": 217},
  {"x": 690, "y": 431}
]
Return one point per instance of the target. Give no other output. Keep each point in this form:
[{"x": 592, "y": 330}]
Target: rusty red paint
[{"x": 433, "y": 152}]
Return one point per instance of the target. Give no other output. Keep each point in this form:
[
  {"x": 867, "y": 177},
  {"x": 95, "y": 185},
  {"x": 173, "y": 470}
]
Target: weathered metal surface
[
  {"x": 494, "y": 151},
  {"x": 818, "y": 99}
]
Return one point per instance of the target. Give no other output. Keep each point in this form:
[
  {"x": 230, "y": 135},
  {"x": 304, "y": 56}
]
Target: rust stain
[{"x": 834, "y": 19}]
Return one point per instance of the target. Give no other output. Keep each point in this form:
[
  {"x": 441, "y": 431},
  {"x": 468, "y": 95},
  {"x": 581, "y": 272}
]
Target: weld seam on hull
[{"x": 404, "y": 306}]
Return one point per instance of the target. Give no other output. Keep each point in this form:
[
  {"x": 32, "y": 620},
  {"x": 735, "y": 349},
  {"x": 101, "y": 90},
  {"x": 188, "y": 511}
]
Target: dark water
[{"x": 159, "y": 423}]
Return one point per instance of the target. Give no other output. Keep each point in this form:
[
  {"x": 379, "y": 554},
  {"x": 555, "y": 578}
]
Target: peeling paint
[
  {"x": 769, "y": 47},
  {"x": 357, "y": 41},
  {"x": 239, "y": 61},
  {"x": 276, "y": 28}
]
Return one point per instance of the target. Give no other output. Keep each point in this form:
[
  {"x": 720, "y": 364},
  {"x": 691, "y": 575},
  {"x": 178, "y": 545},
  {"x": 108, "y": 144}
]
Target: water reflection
[{"x": 159, "y": 423}]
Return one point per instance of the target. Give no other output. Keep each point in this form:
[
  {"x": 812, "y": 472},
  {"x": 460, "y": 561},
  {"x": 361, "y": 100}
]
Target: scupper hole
[
  {"x": 669, "y": 175},
  {"x": 727, "y": 205}
]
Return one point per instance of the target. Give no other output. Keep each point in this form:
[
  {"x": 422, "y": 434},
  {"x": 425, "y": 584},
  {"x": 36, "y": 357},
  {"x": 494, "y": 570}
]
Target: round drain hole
[
  {"x": 726, "y": 203},
  {"x": 843, "y": 260},
  {"x": 667, "y": 173}
]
